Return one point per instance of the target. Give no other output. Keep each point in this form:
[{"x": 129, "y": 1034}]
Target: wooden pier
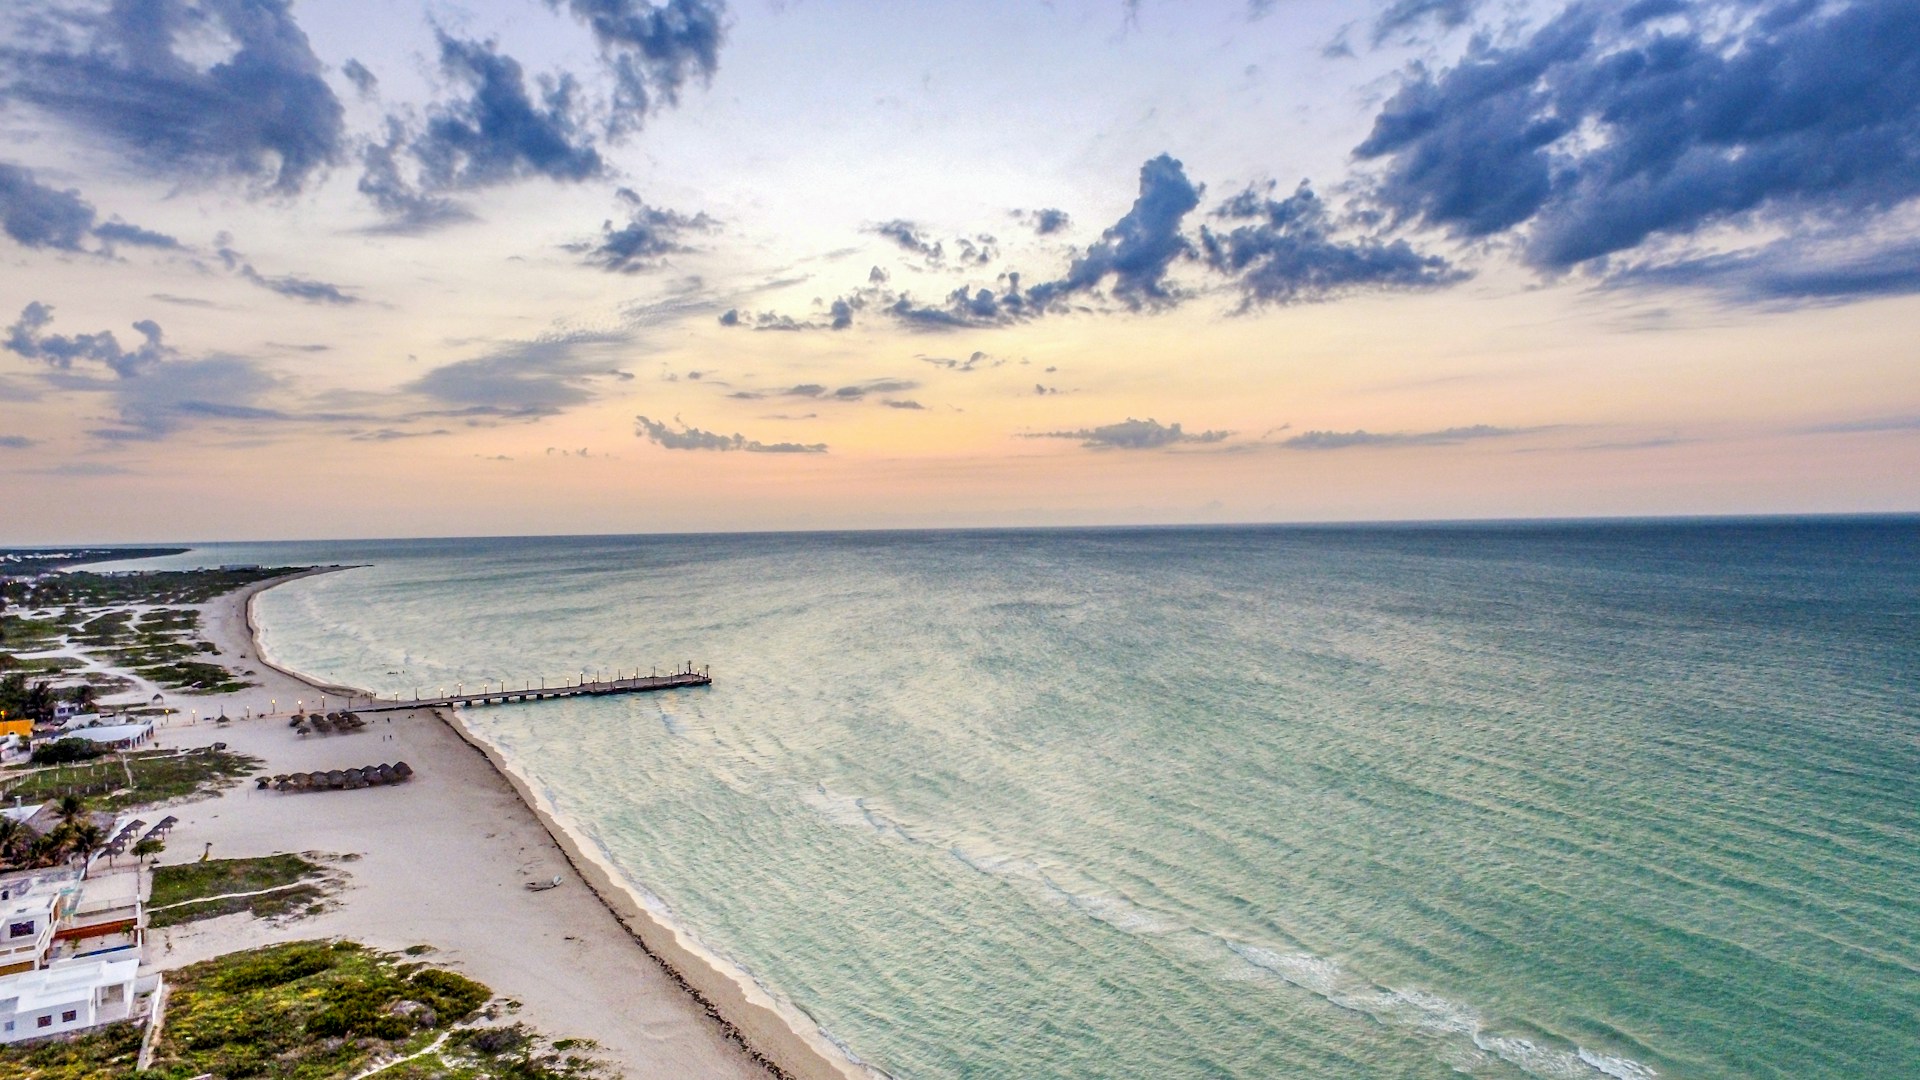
[{"x": 502, "y": 694}]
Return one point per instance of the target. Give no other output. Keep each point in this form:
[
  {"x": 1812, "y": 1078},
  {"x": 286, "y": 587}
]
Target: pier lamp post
[{"x": 273, "y": 706}]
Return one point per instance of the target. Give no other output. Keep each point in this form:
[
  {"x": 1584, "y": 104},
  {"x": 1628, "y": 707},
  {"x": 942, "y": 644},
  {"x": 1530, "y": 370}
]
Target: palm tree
[
  {"x": 147, "y": 845},
  {"x": 39, "y": 704},
  {"x": 15, "y": 838},
  {"x": 82, "y": 697},
  {"x": 71, "y": 810},
  {"x": 84, "y": 839}
]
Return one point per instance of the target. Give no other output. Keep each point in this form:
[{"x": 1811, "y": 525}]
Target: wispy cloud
[
  {"x": 1343, "y": 440},
  {"x": 1131, "y": 434},
  {"x": 685, "y": 437}
]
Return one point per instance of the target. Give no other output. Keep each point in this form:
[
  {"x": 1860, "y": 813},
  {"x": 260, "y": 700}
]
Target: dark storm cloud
[
  {"x": 524, "y": 378},
  {"x": 135, "y": 73},
  {"x": 1607, "y": 130},
  {"x": 1288, "y": 252},
  {"x": 1140, "y": 248},
  {"x": 1131, "y": 434},
  {"x": 38, "y": 216},
  {"x": 653, "y": 50},
  {"x": 27, "y": 337},
  {"x": 648, "y": 235},
  {"x": 501, "y": 132},
  {"x": 692, "y": 438},
  {"x": 1342, "y": 440}
]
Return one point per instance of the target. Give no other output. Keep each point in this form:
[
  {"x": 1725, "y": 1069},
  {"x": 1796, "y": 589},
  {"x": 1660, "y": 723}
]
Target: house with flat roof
[
  {"x": 32, "y": 903},
  {"x": 67, "y": 996},
  {"x": 114, "y": 736},
  {"x": 106, "y": 918}
]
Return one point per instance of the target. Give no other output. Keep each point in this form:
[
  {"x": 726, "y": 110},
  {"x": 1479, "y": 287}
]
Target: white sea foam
[{"x": 1434, "y": 1014}]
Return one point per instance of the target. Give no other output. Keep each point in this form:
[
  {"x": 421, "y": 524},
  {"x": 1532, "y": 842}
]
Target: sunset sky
[{"x": 277, "y": 270}]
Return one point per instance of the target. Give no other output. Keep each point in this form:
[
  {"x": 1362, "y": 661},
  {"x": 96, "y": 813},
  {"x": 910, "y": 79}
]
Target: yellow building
[{"x": 21, "y": 726}]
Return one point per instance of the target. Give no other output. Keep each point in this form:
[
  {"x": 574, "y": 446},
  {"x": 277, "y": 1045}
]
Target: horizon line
[{"x": 1326, "y": 524}]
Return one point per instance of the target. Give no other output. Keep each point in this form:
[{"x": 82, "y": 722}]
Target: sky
[{"x": 280, "y": 269}]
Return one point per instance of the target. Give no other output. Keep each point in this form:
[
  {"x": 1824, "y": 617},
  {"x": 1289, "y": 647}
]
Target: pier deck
[{"x": 502, "y": 695}]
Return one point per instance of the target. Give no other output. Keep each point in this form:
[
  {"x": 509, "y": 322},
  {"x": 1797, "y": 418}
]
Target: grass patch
[
  {"x": 87, "y": 589},
  {"x": 312, "y": 1010},
  {"x": 158, "y": 776},
  {"x": 301, "y": 899},
  {"x": 110, "y": 1052},
  {"x": 183, "y": 883},
  {"x": 302, "y": 1011},
  {"x": 194, "y": 675}
]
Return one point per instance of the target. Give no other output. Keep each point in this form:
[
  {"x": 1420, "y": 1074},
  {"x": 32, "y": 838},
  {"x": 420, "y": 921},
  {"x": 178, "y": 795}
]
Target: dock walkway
[{"x": 501, "y": 694}]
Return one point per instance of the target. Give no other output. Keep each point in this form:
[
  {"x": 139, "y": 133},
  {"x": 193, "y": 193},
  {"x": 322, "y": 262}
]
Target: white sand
[{"x": 442, "y": 861}]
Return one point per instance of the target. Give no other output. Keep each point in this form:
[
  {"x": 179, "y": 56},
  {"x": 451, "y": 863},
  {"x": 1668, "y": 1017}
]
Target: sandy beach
[{"x": 442, "y": 861}]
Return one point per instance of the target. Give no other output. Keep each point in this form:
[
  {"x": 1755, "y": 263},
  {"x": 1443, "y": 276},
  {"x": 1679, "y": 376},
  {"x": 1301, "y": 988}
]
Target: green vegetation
[
  {"x": 101, "y": 612},
  {"x": 310, "y": 1010},
  {"x": 158, "y": 776},
  {"x": 110, "y": 1052},
  {"x": 86, "y": 589},
  {"x": 66, "y": 751},
  {"x": 76, "y": 833},
  {"x": 193, "y": 675},
  {"x": 178, "y": 889},
  {"x": 33, "y": 560}
]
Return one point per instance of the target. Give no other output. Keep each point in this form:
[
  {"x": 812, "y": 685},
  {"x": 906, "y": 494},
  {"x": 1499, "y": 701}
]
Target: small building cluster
[{"x": 70, "y": 945}]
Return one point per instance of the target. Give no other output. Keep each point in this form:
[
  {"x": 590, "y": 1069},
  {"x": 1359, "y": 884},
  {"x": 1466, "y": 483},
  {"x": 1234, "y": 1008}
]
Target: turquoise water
[{"x": 1555, "y": 801}]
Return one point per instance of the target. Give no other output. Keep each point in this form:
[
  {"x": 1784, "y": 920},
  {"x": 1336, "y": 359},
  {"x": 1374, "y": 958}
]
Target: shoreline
[{"x": 749, "y": 1016}]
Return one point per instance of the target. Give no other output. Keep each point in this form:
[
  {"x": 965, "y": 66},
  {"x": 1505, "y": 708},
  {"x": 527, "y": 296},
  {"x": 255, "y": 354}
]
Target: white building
[
  {"x": 107, "y": 917},
  {"x": 31, "y": 907},
  {"x": 115, "y": 736},
  {"x": 68, "y": 996}
]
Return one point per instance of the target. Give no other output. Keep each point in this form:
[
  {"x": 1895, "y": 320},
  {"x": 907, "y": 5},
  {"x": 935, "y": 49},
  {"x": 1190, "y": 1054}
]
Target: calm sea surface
[{"x": 1545, "y": 800}]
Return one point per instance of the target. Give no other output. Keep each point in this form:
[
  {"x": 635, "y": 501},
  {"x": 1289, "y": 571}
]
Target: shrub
[
  {"x": 66, "y": 752},
  {"x": 277, "y": 966},
  {"x": 452, "y": 995}
]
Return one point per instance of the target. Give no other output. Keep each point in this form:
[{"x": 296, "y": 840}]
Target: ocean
[{"x": 1573, "y": 800}]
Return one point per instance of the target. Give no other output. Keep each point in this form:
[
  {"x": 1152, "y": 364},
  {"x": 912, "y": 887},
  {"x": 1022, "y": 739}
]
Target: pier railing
[{"x": 501, "y": 693}]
